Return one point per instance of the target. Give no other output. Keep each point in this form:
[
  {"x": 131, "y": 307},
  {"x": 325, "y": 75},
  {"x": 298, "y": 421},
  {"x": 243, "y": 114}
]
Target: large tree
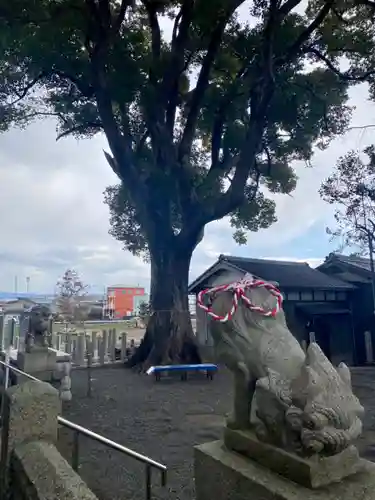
[{"x": 199, "y": 124}]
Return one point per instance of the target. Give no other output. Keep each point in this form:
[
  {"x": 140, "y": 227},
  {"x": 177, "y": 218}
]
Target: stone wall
[
  {"x": 38, "y": 471},
  {"x": 31, "y": 466}
]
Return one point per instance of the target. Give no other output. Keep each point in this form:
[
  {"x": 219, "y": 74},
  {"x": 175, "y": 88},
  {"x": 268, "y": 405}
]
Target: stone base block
[
  {"x": 221, "y": 474},
  {"x": 41, "y": 363},
  {"x": 311, "y": 472}
]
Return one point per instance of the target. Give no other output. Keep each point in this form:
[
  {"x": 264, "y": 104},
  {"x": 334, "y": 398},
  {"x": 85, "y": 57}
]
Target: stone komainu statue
[
  {"x": 292, "y": 399},
  {"x": 39, "y": 331}
]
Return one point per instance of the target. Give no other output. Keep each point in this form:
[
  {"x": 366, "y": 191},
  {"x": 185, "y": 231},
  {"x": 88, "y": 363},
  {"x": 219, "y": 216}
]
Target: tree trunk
[{"x": 169, "y": 337}]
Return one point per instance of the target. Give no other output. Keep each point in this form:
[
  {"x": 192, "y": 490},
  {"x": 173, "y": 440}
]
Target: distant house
[
  {"x": 16, "y": 305},
  {"x": 317, "y": 306},
  {"x": 120, "y": 300},
  {"x": 357, "y": 272}
]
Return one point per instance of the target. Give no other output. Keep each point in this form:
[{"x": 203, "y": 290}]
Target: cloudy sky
[{"x": 53, "y": 216}]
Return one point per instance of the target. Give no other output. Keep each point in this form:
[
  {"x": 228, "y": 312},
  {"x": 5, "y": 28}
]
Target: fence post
[
  {"x": 80, "y": 349},
  {"x": 89, "y": 366},
  {"x": 101, "y": 351},
  {"x": 123, "y": 346},
  {"x": 54, "y": 340},
  {"x": 132, "y": 347},
  {"x": 13, "y": 342},
  {"x": 66, "y": 383},
  {"x": 105, "y": 341},
  {"x": 94, "y": 345},
  {"x": 112, "y": 349},
  {"x": 74, "y": 350},
  {"x": 68, "y": 343}
]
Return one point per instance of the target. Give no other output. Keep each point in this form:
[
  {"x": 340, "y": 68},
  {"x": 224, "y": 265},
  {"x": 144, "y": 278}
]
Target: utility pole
[
  {"x": 28, "y": 284},
  {"x": 15, "y": 284}
]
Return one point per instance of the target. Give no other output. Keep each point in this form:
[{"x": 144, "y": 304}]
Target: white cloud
[{"x": 52, "y": 212}]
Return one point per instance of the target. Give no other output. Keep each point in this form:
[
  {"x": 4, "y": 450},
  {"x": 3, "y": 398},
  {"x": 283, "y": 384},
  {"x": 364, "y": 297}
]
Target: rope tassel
[{"x": 239, "y": 292}]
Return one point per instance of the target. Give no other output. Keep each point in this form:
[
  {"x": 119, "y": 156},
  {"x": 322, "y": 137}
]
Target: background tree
[
  {"x": 351, "y": 188},
  {"x": 200, "y": 125},
  {"x": 71, "y": 292},
  {"x": 144, "y": 312}
]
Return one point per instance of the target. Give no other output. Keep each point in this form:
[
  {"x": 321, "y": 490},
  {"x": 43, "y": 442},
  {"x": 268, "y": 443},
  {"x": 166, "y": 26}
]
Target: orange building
[{"x": 120, "y": 300}]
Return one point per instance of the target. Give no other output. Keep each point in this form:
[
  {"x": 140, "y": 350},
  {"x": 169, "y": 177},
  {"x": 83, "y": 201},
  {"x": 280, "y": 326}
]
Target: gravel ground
[{"x": 164, "y": 421}]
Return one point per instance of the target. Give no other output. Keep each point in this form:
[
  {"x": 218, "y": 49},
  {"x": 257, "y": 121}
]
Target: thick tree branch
[
  {"x": 260, "y": 96},
  {"x": 180, "y": 38},
  {"x": 94, "y": 12},
  {"x": 142, "y": 141},
  {"x": 151, "y": 8},
  {"x": 347, "y": 75},
  {"x": 119, "y": 19},
  {"x": 85, "y": 89},
  {"x": 200, "y": 89},
  {"x": 305, "y": 35},
  {"x": 288, "y": 6},
  {"x": 217, "y": 132},
  {"x": 21, "y": 95},
  {"x": 218, "y": 167},
  {"x": 203, "y": 79},
  {"x": 98, "y": 37},
  {"x": 80, "y": 129},
  {"x": 105, "y": 13},
  {"x": 176, "y": 25},
  {"x": 269, "y": 158},
  {"x": 269, "y": 31}
]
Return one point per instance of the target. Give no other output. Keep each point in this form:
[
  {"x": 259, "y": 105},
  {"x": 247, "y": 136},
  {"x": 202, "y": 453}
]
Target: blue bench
[{"x": 209, "y": 368}]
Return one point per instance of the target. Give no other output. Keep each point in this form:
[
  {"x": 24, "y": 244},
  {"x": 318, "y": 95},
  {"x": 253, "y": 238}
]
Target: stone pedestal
[
  {"x": 313, "y": 472},
  {"x": 226, "y": 475},
  {"x": 30, "y": 414},
  {"x": 40, "y": 362}
]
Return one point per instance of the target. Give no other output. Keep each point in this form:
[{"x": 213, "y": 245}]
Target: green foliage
[
  {"x": 124, "y": 225},
  {"x": 200, "y": 126},
  {"x": 144, "y": 311},
  {"x": 351, "y": 188}
]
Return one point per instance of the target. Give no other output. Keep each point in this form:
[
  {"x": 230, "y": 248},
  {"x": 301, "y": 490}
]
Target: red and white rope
[{"x": 239, "y": 292}]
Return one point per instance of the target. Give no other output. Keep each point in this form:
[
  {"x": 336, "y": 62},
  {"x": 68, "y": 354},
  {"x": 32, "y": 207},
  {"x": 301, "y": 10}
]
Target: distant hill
[
  {"x": 45, "y": 297},
  {"x": 23, "y": 295}
]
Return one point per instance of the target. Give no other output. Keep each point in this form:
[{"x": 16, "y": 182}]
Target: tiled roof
[
  {"x": 355, "y": 261},
  {"x": 287, "y": 274}
]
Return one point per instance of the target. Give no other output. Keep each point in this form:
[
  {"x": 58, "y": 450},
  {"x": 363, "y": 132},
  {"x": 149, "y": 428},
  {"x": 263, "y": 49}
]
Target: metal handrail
[{"x": 78, "y": 429}]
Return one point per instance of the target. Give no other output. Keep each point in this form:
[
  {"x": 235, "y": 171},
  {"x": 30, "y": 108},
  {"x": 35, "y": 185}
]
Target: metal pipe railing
[{"x": 77, "y": 429}]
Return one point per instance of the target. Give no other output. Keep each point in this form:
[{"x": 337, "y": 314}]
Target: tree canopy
[
  {"x": 180, "y": 112},
  {"x": 351, "y": 189}
]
